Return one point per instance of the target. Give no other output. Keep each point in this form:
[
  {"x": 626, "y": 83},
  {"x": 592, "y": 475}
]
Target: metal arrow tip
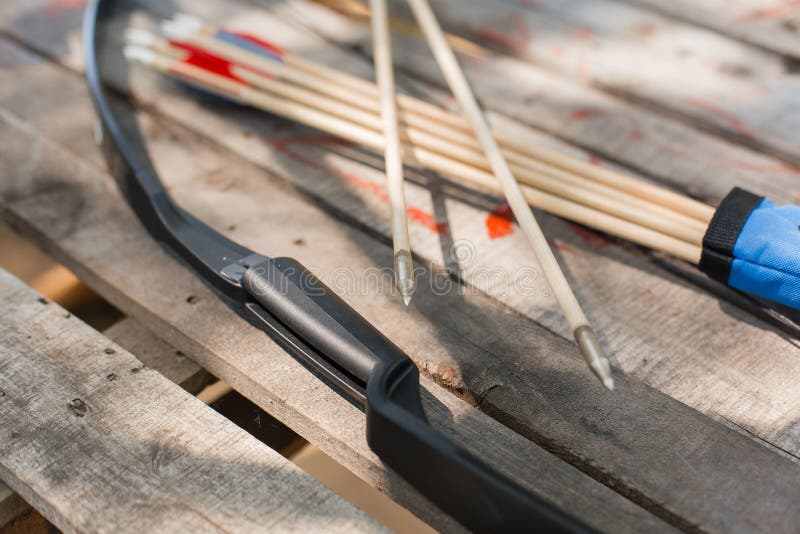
[
  {"x": 609, "y": 384},
  {"x": 594, "y": 355},
  {"x": 404, "y": 274}
]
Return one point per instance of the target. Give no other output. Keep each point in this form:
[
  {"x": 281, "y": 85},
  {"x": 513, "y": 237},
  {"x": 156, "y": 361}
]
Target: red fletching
[
  {"x": 200, "y": 57},
  {"x": 205, "y": 60}
]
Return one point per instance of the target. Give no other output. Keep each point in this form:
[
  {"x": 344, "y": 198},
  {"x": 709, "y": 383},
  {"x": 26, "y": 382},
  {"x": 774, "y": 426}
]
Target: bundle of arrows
[{"x": 746, "y": 242}]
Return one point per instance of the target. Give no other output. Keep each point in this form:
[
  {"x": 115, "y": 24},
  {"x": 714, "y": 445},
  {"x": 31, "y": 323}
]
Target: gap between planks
[
  {"x": 159, "y": 457},
  {"x": 65, "y": 226},
  {"x": 248, "y": 360}
]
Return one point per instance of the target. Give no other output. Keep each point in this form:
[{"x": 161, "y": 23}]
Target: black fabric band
[{"x": 724, "y": 230}]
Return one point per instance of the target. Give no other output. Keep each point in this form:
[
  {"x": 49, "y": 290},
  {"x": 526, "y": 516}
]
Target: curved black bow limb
[{"x": 286, "y": 301}]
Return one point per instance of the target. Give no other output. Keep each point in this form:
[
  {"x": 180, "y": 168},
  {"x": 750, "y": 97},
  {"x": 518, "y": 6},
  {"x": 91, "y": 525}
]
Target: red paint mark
[
  {"x": 582, "y": 34},
  {"x": 266, "y": 45},
  {"x": 591, "y": 238},
  {"x": 560, "y": 245},
  {"x": 323, "y": 140},
  {"x": 285, "y": 145},
  {"x": 734, "y": 121},
  {"x": 516, "y": 41},
  {"x": 709, "y": 159},
  {"x": 376, "y": 189},
  {"x": 428, "y": 220},
  {"x": 770, "y": 13},
  {"x": 198, "y": 57},
  {"x": 449, "y": 101},
  {"x": 585, "y": 36},
  {"x": 202, "y": 58},
  {"x": 584, "y": 113},
  {"x": 500, "y": 222},
  {"x": 776, "y": 168},
  {"x": 57, "y": 7},
  {"x": 594, "y": 160},
  {"x": 634, "y": 135}
]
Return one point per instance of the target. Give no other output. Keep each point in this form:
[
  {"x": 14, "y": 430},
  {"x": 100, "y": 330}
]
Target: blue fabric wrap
[
  {"x": 234, "y": 39},
  {"x": 766, "y": 256}
]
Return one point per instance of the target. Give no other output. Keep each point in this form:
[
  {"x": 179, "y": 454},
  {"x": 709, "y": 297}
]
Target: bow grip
[{"x": 299, "y": 300}]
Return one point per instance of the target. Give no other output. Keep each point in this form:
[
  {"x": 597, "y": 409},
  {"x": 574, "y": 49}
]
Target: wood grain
[
  {"x": 470, "y": 380},
  {"x": 646, "y": 140},
  {"x": 590, "y": 428},
  {"x": 719, "y": 83},
  {"x": 622, "y": 291},
  {"x": 167, "y": 299},
  {"x": 152, "y": 352},
  {"x": 97, "y": 442},
  {"x": 772, "y": 25},
  {"x": 130, "y": 335}
]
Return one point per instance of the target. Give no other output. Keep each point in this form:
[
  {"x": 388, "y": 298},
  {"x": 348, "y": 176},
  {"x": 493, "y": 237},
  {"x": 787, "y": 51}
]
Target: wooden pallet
[
  {"x": 97, "y": 441},
  {"x": 702, "y": 432}
]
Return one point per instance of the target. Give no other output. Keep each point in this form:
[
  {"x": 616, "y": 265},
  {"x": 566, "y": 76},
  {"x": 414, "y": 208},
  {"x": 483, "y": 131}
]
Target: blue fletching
[
  {"x": 234, "y": 39},
  {"x": 766, "y": 256}
]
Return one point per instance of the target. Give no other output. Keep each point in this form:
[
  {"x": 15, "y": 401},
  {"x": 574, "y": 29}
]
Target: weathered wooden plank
[
  {"x": 462, "y": 340},
  {"x": 743, "y": 92},
  {"x": 173, "y": 364},
  {"x": 740, "y": 91},
  {"x": 131, "y": 336},
  {"x": 209, "y": 121},
  {"x": 650, "y": 143},
  {"x": 623, "y": 292},
  {"x": 441, "y": 372},
  {"x": 96, "y": 442},
  {"x": 139, "y": 278},
  {"x": 647, "y": 142},
  {"x": 772, "y": 25}
]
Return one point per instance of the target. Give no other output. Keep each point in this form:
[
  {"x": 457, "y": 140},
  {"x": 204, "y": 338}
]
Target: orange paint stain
[
  {"x": 734, "y": 121},
  {"x": 711, "y": 160},
  {"x": 428, "y": 220},
  {"x": 584, "y": 36},
  {"x": 561, "y": 246},
  {"x": 285, "y": 145},
  {"x": 500, "y": 222},
  {"x": 584, "y": 113},
  {"x": 633, "y": 137},
  {"x": 770, "y": 13},
  {"x": 376, "y": 189},
  {"x": 516, "y": 41},
  {"x": 57, "y": 7},
  {"x": 776, "y": 168},
  {"x": 589, "y": 237}
]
